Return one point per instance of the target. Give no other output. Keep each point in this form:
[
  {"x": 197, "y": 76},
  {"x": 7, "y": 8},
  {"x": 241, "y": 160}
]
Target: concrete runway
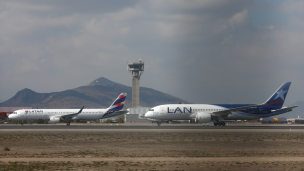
[{"x": 143, "y": 127}]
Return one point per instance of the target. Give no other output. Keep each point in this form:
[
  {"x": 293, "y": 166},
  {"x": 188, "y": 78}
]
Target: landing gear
[
  {"x": 220, "y": 123},
  {"x": 158, "y": 123},
  {"x": 22, "y": 123},
  {"x": 68, "y": 123}
]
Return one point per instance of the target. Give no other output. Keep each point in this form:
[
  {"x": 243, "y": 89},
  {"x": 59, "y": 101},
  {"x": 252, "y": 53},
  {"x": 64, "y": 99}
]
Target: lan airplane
[
  {"x": 67, "y": 115},
  {"x": 218, "y": 113}
]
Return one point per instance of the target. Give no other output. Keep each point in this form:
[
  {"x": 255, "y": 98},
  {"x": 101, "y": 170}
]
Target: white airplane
[
  {"x": 218, "y": 113},
  {"x": 67, "y": 115}
]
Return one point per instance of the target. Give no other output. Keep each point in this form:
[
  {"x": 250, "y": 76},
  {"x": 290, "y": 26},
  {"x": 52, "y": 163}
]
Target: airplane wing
[
  {"x": 285, "y": 108},
  {"x": 70, "y": 116},
  {"x": 229, "y": 111}
]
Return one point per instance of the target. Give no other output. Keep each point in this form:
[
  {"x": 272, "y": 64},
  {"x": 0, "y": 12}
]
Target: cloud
[
  {"x": 201, "y": 51},
  {"x": 239, "y": 18}
]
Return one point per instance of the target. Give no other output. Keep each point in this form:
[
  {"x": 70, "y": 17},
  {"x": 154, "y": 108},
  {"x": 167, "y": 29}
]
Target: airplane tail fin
[
  {"x": 278, "y": 97},
  {"x": 118, "y": 104}
]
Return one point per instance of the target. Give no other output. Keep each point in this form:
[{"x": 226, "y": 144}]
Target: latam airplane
[
  {"x": 218, "y": 113},
  {"x": 67, "y": 115}
]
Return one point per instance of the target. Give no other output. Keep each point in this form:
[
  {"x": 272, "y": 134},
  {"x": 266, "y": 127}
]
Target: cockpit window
[{"x": 151, "y": 110}]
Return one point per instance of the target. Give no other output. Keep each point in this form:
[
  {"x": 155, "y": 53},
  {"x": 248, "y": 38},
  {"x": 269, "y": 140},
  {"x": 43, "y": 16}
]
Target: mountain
[
  {"x": 100, "y": 93},
  {"x": 103, "y": 81}
]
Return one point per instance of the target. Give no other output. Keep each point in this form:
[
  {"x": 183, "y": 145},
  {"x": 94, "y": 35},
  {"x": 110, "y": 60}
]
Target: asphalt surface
[{"x": 147, "y": 127}]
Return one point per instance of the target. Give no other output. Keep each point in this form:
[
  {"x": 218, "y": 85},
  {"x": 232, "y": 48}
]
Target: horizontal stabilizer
[
  {"x": 288, "y": 109},
  {"x": 116, "y": 113},
  {"x": 120, "y": 112}
]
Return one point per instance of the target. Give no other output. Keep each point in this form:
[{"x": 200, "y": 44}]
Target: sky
[{"x": 202, "y": 51}]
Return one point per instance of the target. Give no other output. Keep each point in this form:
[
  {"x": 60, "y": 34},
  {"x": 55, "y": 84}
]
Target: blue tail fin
[{"x": 278, "y": 98}]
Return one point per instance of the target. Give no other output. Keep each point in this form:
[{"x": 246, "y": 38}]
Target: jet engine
[
  {"x": 54, "y": 120},
  {"x": 203, "y": 117}
]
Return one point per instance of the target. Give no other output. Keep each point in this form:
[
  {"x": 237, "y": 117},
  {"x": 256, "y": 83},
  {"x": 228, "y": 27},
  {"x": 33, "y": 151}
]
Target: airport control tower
[{"x": 135, "y": 69}]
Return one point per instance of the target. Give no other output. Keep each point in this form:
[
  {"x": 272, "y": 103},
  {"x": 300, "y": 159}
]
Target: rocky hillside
[{"x": 100, "y": 93}]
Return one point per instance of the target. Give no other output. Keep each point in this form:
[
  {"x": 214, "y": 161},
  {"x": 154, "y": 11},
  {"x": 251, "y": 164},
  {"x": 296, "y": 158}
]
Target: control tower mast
[{"x": 135, "y": 69}]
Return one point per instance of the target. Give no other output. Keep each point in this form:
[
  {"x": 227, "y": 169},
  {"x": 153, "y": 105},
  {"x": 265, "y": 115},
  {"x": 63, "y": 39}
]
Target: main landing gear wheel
[
  {"x": 219, "y": 124},
  {"x": 68, "y": 123},
  {"x": 158, "y": 123}
]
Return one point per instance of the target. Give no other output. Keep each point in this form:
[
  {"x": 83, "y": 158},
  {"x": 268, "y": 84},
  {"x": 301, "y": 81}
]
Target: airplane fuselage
[
  {"x": 45, "y": 114},
  {"x": 189, "y": 111}
]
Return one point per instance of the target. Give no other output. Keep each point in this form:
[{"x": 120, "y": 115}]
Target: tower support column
[{"x": 135, "y": 92}]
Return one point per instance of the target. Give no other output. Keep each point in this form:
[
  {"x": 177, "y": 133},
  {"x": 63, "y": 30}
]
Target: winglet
[{"x": 80, "y": 110}]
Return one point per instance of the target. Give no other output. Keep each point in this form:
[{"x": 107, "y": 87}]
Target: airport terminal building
[{"x": 136, "y": 115}]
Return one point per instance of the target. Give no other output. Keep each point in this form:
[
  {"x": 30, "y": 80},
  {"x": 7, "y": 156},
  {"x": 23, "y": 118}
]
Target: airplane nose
[
  {"x": 148, "y": 114},
  {"x": 11, "y": 116}
]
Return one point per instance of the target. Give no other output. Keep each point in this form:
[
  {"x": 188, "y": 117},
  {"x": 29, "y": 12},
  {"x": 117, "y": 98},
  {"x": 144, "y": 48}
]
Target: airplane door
[
  {"x": 260, "y": 110},
  {"x": 24, "y": 115},
  {"x": 162, "y": 111}
]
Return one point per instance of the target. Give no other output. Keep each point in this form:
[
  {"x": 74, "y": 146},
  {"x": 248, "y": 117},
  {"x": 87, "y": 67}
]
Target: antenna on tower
[{"x": 136, "y": 69}]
